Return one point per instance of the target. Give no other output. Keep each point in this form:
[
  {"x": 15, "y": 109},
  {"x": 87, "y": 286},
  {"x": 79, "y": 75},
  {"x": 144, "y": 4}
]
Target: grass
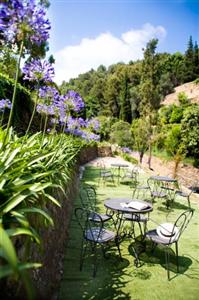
[{"x": 117, "y": 279}]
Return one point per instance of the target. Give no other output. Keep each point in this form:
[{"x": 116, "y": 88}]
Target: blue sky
[{"x": 87, "y": 33}]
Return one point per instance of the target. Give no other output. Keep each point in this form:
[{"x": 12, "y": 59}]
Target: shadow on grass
[
  {"x": 109, "y": 281},
  {"x": 111, "y": 277},
  {"x": 151, "y": 258}
]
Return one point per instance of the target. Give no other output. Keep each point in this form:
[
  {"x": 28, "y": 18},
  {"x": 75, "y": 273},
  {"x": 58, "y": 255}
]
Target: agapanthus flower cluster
[
  {"x": 126, "y": 150},
  {"x": 24, "y": 19},
  {"x": 77, "y": 126},
  {"x": 49, "y": 93},
  {"x": 73, "y": 101},
  {"x": 58, "y": 108},
  {"x": 5, "y": 103},
  {"x": 93, "y": 124},
  {"x": 38, "y": 71}
]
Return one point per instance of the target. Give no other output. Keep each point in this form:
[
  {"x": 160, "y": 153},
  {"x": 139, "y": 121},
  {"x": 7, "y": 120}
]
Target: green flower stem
[
  {"x": 61, "y": 139},
  {"x": 2, "y": 118},
  {"x": 33, "y": 112},
  {"x": 14, "y": 92},
  {"x": 44, "y": 131}
]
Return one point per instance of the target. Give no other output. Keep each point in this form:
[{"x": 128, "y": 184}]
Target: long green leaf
[
  {"x": 7, "y": 270},
  {"x": 39, "y": 211},
  {"x": 23, "y": 231},
  {"x": 11, "y": 156},
  {"x": 38, "y": 158},
  {"x": 8, "y": 249},
  {"x": 51, "y": 198},
  {"x": 20, "y": 218},
  {"x": 14, "y": 201}
]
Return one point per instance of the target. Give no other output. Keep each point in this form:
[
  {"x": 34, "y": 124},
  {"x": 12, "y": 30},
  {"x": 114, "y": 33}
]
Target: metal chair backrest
[
  {"x": 91, "y": 193},
  {"x": 183, "y": 220},
  {"x": 90, "y": 223},
  {"x": 85, "y": 201},
  {"x": 154, "y": 185}
]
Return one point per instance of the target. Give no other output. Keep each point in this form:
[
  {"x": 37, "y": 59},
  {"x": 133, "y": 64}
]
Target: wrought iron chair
[
  {"x": 105, "y": 174},
  {"x": 184, "y": 193},
  {"x": 88, "y": 197},
  {"x": 95, "y": 235},
  {"x": 131, "y": 177},
  {"x": 168, "y": 234},
  {"x": 157, "y": 191}
]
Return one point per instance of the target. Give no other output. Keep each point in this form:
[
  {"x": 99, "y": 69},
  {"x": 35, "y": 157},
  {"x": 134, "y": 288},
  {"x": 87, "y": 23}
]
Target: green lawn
[{"x": 117, "y": 279}]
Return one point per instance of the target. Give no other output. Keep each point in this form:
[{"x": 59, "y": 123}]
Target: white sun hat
[{"x": 167, "y": 230}]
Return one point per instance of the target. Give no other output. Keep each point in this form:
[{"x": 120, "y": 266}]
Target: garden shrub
[
  {"x": 121, "y": 134},
  {"x": 173, "y": 139},
  {"x": 176, "y": 115},
  {"x": 183, "y": 98},
  {"x": 105, "y": 127},
  {"x": 129, "y": 158},
  {"x": 190, "y": 130}
]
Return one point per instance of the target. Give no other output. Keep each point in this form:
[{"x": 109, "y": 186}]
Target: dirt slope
[{"x": 190, "y": 89}]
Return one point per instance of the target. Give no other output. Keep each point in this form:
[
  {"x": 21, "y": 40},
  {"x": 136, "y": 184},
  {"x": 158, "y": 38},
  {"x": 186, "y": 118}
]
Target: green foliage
[
  {"x": 176, "y": 115},
  {"x": 191, "y": 61},
  {"x": 29, "y": 174},
  {"x": 105, "y": 127},
  {"x": 183, "y": 99},
  {"x": 141, "y": 131},
  {"x": 173, "y": 139},
  {"x": 150, "y": 97},
  {"x": 23, "y": 103},
  {"x": 121, "y": 134},
  {"x": 8, "y": 61},
  {"x": 165, "y": 114},
  {"x": 129, "y": 158},
  {"x": 190, "y": 130}
]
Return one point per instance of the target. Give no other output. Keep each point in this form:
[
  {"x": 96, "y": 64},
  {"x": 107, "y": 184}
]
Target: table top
[
  {"x": 119, "y": 165},
  {"x": 163, "y": 178},
  {"x": 116, "y": 204}
]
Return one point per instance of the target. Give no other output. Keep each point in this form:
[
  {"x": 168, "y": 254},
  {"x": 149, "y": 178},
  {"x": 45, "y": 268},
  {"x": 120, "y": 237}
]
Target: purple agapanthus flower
[
  {"x": 126, "y": 150},
  {"x": 46, "y": 109},
  {"x": 24, "y": 19},
  {"x": 74, "y": 101},
  {"x": 5, "y": 103},
  {"x": 93, "y": 124},
  {"x": 49, "y": 93},
  {"x": 38, "y": 71}
]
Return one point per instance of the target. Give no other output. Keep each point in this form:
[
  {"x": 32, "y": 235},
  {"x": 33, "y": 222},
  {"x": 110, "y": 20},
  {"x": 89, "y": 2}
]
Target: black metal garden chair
[
  {"x": 156, "y": 190},
  {"x": 94, "y": 235},
  {"x": 168, "y": 234},
  {"x": 88, "y": 197}
]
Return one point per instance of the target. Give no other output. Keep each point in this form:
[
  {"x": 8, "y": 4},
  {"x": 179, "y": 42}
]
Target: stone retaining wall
[{"x": 47, "y": 279}]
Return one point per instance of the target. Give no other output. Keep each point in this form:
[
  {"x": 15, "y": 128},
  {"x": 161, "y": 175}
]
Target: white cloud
[{"x": 105, "y": 49}]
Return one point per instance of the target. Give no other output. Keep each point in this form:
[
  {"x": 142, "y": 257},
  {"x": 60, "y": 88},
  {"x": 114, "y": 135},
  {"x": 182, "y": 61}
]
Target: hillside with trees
[{"x": 128, "y": 99}]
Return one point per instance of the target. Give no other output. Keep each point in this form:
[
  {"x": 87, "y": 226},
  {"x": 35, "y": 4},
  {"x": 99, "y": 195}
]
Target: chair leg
[
  {"x": 177, "y": 259},
  {"x": 83, "y": 251},
  {"x": 118, "y": 247},
  {"x": 167, "y": 263},
  {"x": 94, "y": 248}
]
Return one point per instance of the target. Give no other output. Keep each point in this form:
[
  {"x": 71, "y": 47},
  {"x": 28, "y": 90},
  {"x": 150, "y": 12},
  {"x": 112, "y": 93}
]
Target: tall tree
[
  {"x": 125, "y": 106},
  {"x": 196, "y": 60},
  {"x": 111, "y": 96},
  {"x": 189, "y": 61},
  {"x": 149, "y": 79},
  {"x": 149, "y": 88}
]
